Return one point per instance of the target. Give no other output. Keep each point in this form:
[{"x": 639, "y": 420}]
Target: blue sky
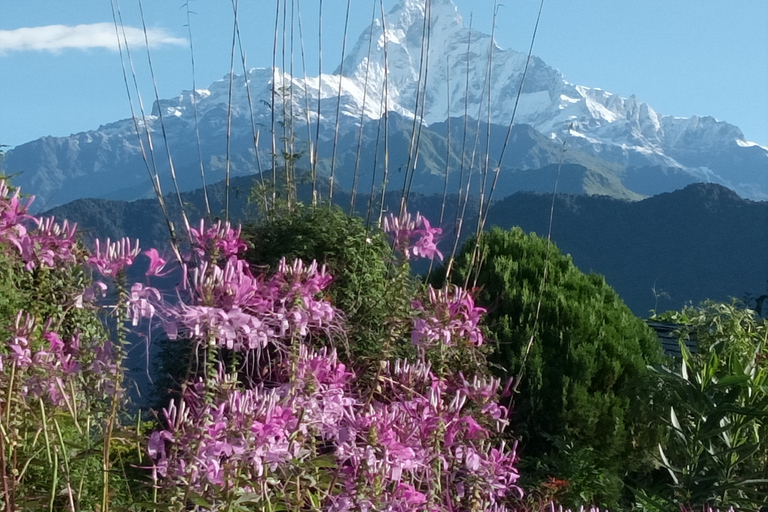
[{"x": 682, "y": 57}]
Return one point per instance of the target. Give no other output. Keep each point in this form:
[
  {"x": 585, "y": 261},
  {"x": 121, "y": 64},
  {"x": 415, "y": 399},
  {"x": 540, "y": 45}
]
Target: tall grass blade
[
  {"x": 489, "y": 86},
  {"x": 338, "y": 104},
  {"x": 310, "y": 144},
  {"x": 362, "y": 115},
  {"x": 386, "y": 114},
  {"x": 514, "y": 112},
  {"x": 194, "y": 111},
  {"x": 249, "y": 97},
  {"x": 272, "y": 105},
  {"x": 416, "y": 122},
  {"x": 162, "y": 119},
  {"x": 461, "y": 207},
  {"x": 319, "y": 96},
  {"x": 151, "y": 169},
  {"x": 228, "y": 157}
]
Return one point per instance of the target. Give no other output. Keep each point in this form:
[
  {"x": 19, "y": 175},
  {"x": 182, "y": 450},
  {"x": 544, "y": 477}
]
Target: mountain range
[
  {"x": 659, "y": 253},
  {"x": 419, "y": 93}
]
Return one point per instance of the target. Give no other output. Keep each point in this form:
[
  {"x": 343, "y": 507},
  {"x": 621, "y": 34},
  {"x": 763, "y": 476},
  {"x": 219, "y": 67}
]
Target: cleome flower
[
  {"x": 449, "y": 315},
  {"x": 217, "y": 241},
  {"x": 413, "y": 237},
  {"x": 110, "y": 258}
]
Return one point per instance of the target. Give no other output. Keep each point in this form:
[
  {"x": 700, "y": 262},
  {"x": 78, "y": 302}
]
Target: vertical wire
[
  {"x": 229, "y": 113},
  {"x": 338, "y": 105},
  {"x": 362, "y": 116},
  {"x": 162, "y": 121},
  {"x": 386, "y": 114},
  {"x": 194, "y": 111}
]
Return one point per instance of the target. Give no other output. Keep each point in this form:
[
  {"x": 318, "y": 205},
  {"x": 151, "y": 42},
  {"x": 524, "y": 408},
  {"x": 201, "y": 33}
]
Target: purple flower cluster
[
  {"x": 422, "y": 441},
  {"x": 230, "y": 307},
  {"x": 245, "y": 434},
  {"x": 406, "y": 439},
  {"x": 47, "y": 367},
  {"x": 421, "y": 445},
  {"x": 40, "y": 241},
  {"x": 413, "y": 237},
  {"x": 112, "y": 257},
  {"x": 449, "y": 315},
  {"x": 216, "y": 241}
]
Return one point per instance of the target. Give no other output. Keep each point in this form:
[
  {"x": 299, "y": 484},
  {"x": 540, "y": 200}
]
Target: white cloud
[{"x": 96, "y": 35}]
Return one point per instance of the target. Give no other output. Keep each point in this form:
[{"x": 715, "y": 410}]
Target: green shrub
[
  {"x": 371, "y": 288},
  {"x": 584, "y": 382},
  {"x": 716, "y": 450}
]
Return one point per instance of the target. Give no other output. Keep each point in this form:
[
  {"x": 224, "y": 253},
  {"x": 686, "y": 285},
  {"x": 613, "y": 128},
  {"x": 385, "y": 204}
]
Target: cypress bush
[
  {"x": 579, "y": 409},
  {"x": 369, "y": 285}
]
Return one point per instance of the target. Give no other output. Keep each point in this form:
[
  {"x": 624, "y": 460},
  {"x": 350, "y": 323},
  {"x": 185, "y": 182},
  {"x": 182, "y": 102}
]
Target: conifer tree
[{"x": 580, "y": 357}]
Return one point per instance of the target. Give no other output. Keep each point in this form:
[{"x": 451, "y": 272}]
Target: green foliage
[
  {"x": 46, "y": 293},
  {"x": 581, "y": 365},
  {"x": 716, "y": 452},
  {"x": 54, "y": 454},
  {"x": 369, "y": 286}
]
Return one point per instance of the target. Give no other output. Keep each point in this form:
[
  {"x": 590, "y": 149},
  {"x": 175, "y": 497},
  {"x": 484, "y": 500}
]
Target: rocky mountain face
[{"x": 434, "y": 71}]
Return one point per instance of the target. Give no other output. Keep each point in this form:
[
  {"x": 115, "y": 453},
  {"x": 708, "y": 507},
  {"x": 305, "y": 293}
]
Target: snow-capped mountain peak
[{"x": 421, "y": 50}]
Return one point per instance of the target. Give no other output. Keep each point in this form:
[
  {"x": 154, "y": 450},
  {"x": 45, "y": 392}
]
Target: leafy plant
[{"x": 716, "y": 452}]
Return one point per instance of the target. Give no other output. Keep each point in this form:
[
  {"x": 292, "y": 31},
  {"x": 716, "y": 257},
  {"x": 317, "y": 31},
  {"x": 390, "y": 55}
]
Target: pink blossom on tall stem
[
  {"x": 140, "y": 302},
  {"x": 20, "y": 345},
  {"x": 219, "y": 240},
  {"x": 426, "y": 244},
  {"x": 413, "y": 237},
  {"x": 110, "y": 258},
  {"x": 49, "y": 244},
  {"x": 156, "y": 263},
  {"x": 13, "y": 215},
  {"x": 13, "y": 209},
  {"x": 449, "y": 315}
]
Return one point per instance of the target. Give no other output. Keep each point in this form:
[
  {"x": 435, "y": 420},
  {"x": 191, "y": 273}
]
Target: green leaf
[
  {"x": 151, "y": 506},
  {"x": 672, "y": 470},
  {"x": 732, "y": 380},
  {"x": 324, "y": 461}
]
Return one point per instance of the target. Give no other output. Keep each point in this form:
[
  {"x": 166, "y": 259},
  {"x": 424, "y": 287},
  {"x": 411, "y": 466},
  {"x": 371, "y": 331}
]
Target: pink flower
[
  {"x": 404, "y": 230},
  {"x": 219, "y": 240},
  {"x": 425, "y": 246},
  {"x": 450, "y": 315},
  {"x": 114, "y": 257},
  {"x": 156, "y": 264},
  {"x": 140, "y": 302},
  {"x": 412, "y": 499}
]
